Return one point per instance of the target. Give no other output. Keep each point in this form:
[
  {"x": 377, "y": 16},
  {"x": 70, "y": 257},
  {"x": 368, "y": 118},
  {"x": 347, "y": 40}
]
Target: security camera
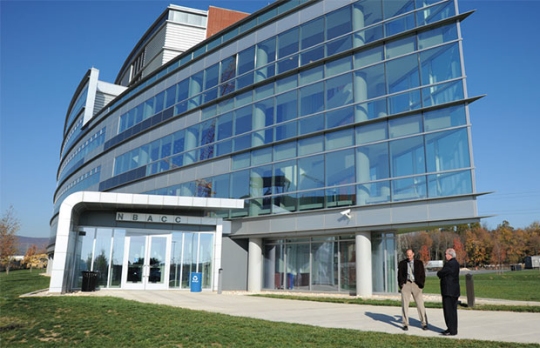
[{"x": 346, "y": 213}]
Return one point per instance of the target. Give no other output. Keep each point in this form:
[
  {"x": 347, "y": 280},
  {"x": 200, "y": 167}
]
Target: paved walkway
[{"x": 477, "y": 325}]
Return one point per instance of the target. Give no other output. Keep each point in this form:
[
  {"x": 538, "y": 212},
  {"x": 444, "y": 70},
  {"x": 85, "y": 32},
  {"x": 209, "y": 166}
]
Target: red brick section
[{"x": 219, "y": 19}]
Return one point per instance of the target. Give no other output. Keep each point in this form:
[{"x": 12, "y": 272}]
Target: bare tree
[{"x": 9, "y": 226}]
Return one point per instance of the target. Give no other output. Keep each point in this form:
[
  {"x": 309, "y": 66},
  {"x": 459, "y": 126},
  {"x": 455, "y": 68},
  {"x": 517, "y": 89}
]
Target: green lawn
[
  {"x": 78, "y": 321},
  {"x": 516, "y": 285}
]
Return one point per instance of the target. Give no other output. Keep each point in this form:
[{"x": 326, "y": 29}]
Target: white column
[
  {"x": 255, "y": 265},
  {"x": 364, "y": 283}
]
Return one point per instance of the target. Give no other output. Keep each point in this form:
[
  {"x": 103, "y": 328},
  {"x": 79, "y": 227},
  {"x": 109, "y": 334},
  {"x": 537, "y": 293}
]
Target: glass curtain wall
[{"x": 310, "y": 264}]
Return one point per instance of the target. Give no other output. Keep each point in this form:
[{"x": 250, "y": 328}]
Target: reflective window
[
  {"x": 211, "y": 76},
  {"x": 450, "y": 184},
  {"x": 437, "y": 36},
  {"x": 340, "y": 168},
  {"x": 369, "y": 83},
  {"x": 286, "y": 130},
  {"x": 402, "y": 73},
  {"x": 409, "y": 188},
  {"x": 447, "y": 150},
  {"x": 395, "y": 8},
  {"x": 339, "y": 117},
  {"x": 407, "y": 156},
  {"x": 285, "y": 177},
  {"x": 311, "y": 145},
  {"x": 338, "y": 91},
  {"x": 311, "y": 99},
  {"x": 366, "y": 12},
  {"x": 339, "y": 139},
  {"x": 312, "y": 33},
  {"x": 400, "y": 24},
  {"x": 440, "y": 64},
  {"x": 445, "y": 118},
  {"x": 368, "y": 57},
  {"x": 371, "y": 133},
  {"x": 311, "y": 172},
  {"x": 287, "y": 43},
  {"x": 246, "y": 61},
  {"x": 401, "y": 47},
  {"x": 242, "y": 120},
  {"x": 285, "y": 151},
  {"x": 286, "y": 106},
  {"x": 311, "y": 124},
  {"x": 372, "y": 162},
  {"x": 402, "y": 126},
  {"x": 338, "y": 23}
]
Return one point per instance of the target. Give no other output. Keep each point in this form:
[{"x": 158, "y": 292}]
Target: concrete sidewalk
[{"x": 477, "y": 325}]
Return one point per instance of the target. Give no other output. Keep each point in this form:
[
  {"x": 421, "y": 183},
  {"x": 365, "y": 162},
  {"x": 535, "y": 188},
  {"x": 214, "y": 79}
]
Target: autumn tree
[
  {"x": 461, "y": 254},
  {"x": 9, "y": 226},
  {"x": 478, "y": 245},
  {"x": 35, "y": 258}
]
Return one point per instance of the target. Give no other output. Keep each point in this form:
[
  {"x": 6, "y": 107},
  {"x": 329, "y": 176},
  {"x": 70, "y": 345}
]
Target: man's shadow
[{"x": 396, "y": 321}]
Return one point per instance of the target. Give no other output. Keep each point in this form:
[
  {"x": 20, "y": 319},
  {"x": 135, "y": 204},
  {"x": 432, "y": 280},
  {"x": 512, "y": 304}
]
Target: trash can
[
  {"x": 89, "y": 280},
  {"x": 195, "y": 282},
  {"x": 290, "y": 281}
]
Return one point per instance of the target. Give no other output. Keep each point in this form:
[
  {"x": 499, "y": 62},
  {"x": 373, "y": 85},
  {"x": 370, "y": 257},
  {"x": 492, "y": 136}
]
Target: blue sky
[{"x": 47, "y": 47}]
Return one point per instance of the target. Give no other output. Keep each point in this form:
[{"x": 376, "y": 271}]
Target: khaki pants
[{"x": 406, "y": 292}]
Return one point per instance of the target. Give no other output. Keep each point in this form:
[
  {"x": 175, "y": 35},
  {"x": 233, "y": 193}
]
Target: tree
[
  {"x": 35, "y": 258},
  {"x": 9, "y": 226},
  {"x": 461, "y": 254}
]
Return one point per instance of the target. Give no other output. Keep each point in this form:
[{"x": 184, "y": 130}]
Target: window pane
[
  {"x": 311, "y": 124},
  {"x": 246, "y": 60},
  {"x": 369, "y": 83},
  {"x": 409, "y": 188},
  {"x": 373, "y": 193},
  {"x": 407, "y": 156},
  {"x": 400, "y": 24},
  {"x": 395, "y": 8},
  {"x": 311, "y": 172},
  {"x": 340, "y": 168},
  {"x": 399, "y": 127},
  {"x": 437, "y": 36},
  {"x": 310, "y": 145},
  {"x": 311, "y": 99},
  {"x": 339, "y": 91},
  {"x": 338, "y": 23},
  {"x": 440, "y": 64},
  {"x": 239, "y": 189},
  {"x": 285, "y": 177},
  {"x": 443, "y": 93},
  {"x": 372, "y": 162},
  {"x": 339, "y": 139},
  {"x": 312, "y": 33},
  {"x": 338, "y": 66},
  {"x": 211, "y": 76},
  {"x": 445, "y": 118},
  {"x": 284, "y": 151},
  {"x": 286, "y": 106},
  {"x": 447, "y": 150},
  {"x": 456, "y": 183},
  {"x": 288, "y": 43},
  {"x": 402, "y": 73},
  {"x": 224, "y": 127},
  {"x": 339, "y": 117},
  {"x": 311, "y": 200},
  {"x": 400, "y": 47},
  {"x": 371, "y": 133},
  {"x": 286, "y": 130},
  {"x": 242, "y": 120}
]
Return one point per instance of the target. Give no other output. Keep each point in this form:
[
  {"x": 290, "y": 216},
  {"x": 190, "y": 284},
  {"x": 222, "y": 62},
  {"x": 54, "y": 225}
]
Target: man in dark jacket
[
  {"x": 411, "y": 280},
  {"x": 449, "y": 276}
]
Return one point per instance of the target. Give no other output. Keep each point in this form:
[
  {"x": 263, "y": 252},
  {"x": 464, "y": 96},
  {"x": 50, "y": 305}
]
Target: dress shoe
[
  {"x": 424, "y": 327},
  {"x": 448, "y": 334},
  {"x": 445, "y": 332},
  {"x": 405, "y": 328}
]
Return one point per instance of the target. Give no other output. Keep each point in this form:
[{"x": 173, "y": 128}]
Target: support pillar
[
  {"x": 255, "y": 265},
  {"x": 364, "y": 282}
]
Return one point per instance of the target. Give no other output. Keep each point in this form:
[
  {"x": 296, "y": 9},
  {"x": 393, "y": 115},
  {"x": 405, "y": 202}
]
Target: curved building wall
[{"x": 302, "y": 110}]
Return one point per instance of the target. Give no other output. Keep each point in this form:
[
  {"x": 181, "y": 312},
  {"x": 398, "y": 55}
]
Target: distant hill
[{"x": 26, "y": 242}]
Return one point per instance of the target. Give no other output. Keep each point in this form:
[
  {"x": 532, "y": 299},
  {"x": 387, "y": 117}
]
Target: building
[{"x": 284, "y": 151}]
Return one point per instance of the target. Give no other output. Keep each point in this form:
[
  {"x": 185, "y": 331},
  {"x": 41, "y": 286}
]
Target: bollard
[
  {"x": 470, "y": 290},
  {"x": 220, "y": 275}
]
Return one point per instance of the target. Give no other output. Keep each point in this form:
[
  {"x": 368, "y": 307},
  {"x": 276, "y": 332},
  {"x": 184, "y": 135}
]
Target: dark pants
[{"x": 450, "y": 304}]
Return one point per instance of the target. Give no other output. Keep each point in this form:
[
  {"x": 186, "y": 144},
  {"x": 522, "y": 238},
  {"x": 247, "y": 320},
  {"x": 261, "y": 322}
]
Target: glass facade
[{"x": 138, "y": 259}]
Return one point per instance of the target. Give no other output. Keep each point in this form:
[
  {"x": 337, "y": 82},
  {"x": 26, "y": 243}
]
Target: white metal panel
[{"x": 183, "y": 37}]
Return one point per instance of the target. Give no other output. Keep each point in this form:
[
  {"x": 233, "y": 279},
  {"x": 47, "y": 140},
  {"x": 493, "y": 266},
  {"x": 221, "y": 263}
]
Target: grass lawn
[
  {"x": 78, "y": 321},
  {"x": 516, "y": 285}
]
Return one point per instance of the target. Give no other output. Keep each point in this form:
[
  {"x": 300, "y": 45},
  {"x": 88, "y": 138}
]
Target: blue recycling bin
[
  {"x": 195, "y": 282},
  {"x": 290, "y": 281}
]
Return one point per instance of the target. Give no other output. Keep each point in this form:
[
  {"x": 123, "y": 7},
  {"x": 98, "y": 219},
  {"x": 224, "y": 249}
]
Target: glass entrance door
[{"x": 146, "y": 261}]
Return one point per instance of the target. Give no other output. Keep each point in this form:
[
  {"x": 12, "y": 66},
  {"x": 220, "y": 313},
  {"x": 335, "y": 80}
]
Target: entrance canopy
[{"x": 79, "y": 202}]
